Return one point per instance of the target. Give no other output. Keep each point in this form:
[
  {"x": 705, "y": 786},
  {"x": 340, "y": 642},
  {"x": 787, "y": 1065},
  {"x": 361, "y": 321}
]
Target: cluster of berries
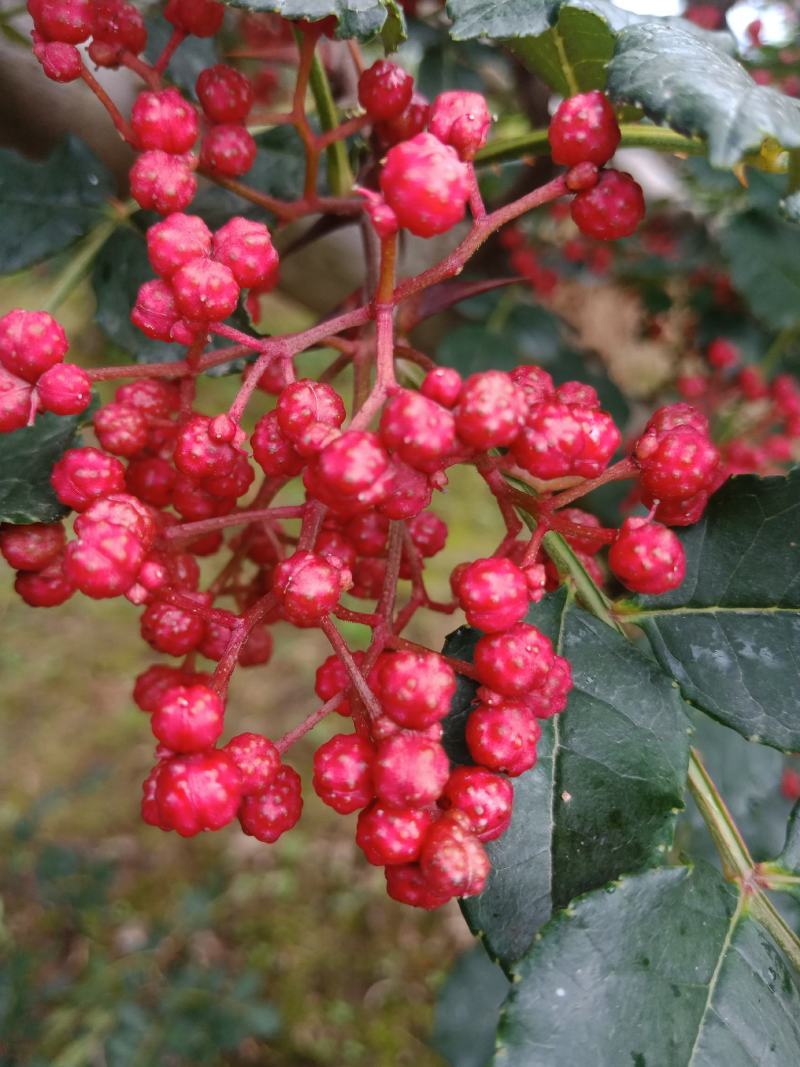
[
  {"x": 167, "y": 479},
  {"x": 764, "y": 415},
  {"x": 33, "y": 375},
  {"x": 201, "y": 274}
]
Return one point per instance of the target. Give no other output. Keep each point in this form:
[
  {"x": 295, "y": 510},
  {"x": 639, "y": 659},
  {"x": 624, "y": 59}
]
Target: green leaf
[
  {"x": 661, "y": 969},
  {"x": 688, "y": 82},
  {"x": 603, "y": 797},
  {"x": 748, "y": 778},
  {"x": 789, "y": 858},
  {"x": 789, "y": 208},
  {"x": 27, "y": 457},
  {"x": 730, "y": 633},
  {"x": 761, "y": 251},
  {"x": 499, "y": 19},
  {"x": 356, "y": 18},
  {"x": 193, "y": 55},
  {"x": 47, "y": 206},
  {"x": 467, "y": 1010},
  {"x": 120, "y": 268},
  {"x": 573, "y": 53}
]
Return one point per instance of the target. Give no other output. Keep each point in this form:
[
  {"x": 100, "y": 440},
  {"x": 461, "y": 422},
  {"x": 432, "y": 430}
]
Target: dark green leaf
[
  {"x": 730, "y": 634},
  {"x": 572, "y": 55},
  {"x": 789, "y": 208},
  {"x": 604, "y": 794},
  {"x": 688, "y": 82},
  {"x": 762, "y": 258},
  {"x": 26, "y": 459},
  {"x": 120, "y": 268},
  {"x": 47, "y": 206},
  {"x": 789, "y": 859},
  {"x": 467, "y": 1010},
  {"x": 356, "y": 18},
  {"x": 499, "y": 19},
  {"x": 193, "y": 55},
  {"x": 661, "y": 969},
  {"x": 748, "y": 778}
]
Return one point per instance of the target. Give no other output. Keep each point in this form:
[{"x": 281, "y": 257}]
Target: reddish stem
[
  {"x": 120, "y": 122},
  {"x": 238, "y": 518},
  {"x": 170, "y": 48}
]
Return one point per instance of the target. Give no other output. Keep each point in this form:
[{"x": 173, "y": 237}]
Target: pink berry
[
  {"x": 677, "y": 464},
  {"x": 164, "y": 120},
  {"x": 351, "y": 464},
  {"x": 601, "y": 439},
  {"x": 683, "y": 512},
  {"x": 410, "y": 122},
  {"x": 197, "y": 455},
  {"x": 271, "y": 450},
  {"x": 121, "y": 509},
  {"x": 332, "y": 678},
  {"x": 384, "y": 90},
  {"x": 672, "y": 416},
  {"x": 103, "y": 562},
  {"x": 68, "y": 21},
  {"x": 308, "y": 587},
  {"x": 246, "y": 248},
  {"x": 84, "y": 474},
  {"x": 225, "y": 94},
  {"x": 421, "y": 432},
  {"x": 188, "y": 718},
  {"x": 152, "y": 479},
  {"x": 121, "y": 429},
  {"x": 484, "y": 797},
  {"x": 162, "y": 182},
  {"x": 442, "y": 385},
  {"x": 228, "y": 150},
  {"x": 406, "y": 884},
  {"x": 31, "y": 342},
  {"x": 64, "y": 389},
  {"x": 154, "y": 397},
  {"x": 154, "y": 312},
  {"x": 410, "y": 771},
  {"x": 61, "y": 63},
  {"x": 46, "y": 588},
  {"x": 429, "y": 533},
  {"x": 258, "y": 761},
  {"x": 205, "y": 291},
  {"x": 391, "y": 835},
  {"x": 171, "y": 629},
  {"x": 493, "y": 594},
  {"x": 513, "y": 662},
  {"x": 503, "y": 737},
  {"x": 15, "y": 402},
  {"x": 612, "y": 209},
  {"x": 647, "y": 557},
  {"x": 461, "y": 119},
  {"x": 553, "y": 695},
  {"x": 201, "y": 18},
  {"x": 175, "y": 241},
  {"x": 152, "y": 683},
  {"x": 32, "y": 547},
  {"x": 583, "y": 129},
  {"x": 426, "y": 185},
  {"x": 201, "y": 791},
  {"x": 722, "y": 354},
  {"x": 453, "y": 861},
  {"x": 535, "y": 383},
  {"x": 343, "y": 773},
  {"x": 491, "y": 410},
  {"x": 551, "y": 441},
  {"x": 304, "y": 406},
  {"x": 270, "y": 813},
  {"x": 117, "y": 27},
  {"x": 415, "y": 688}
]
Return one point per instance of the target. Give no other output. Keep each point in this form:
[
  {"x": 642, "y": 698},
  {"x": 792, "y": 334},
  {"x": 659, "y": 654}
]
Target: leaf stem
[
  {"x": 594, "y": 599},
  {"x": 340, "y": 176},
  {"x": 78, "y": 265},
  {"x": 634, "y": 135}
]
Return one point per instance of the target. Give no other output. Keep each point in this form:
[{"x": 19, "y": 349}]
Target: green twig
[
  {"x": 634, "y": 135},
  {"x": 340, "y": 176},
  {"x": 567, "y": 563}
]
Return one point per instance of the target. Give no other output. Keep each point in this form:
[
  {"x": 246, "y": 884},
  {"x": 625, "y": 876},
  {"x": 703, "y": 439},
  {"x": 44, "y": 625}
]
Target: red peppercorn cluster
[
  {"x": 165, "y": 480},
  {"x": 765, "y": 414},
  {"x": 33, "y": 375}
]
